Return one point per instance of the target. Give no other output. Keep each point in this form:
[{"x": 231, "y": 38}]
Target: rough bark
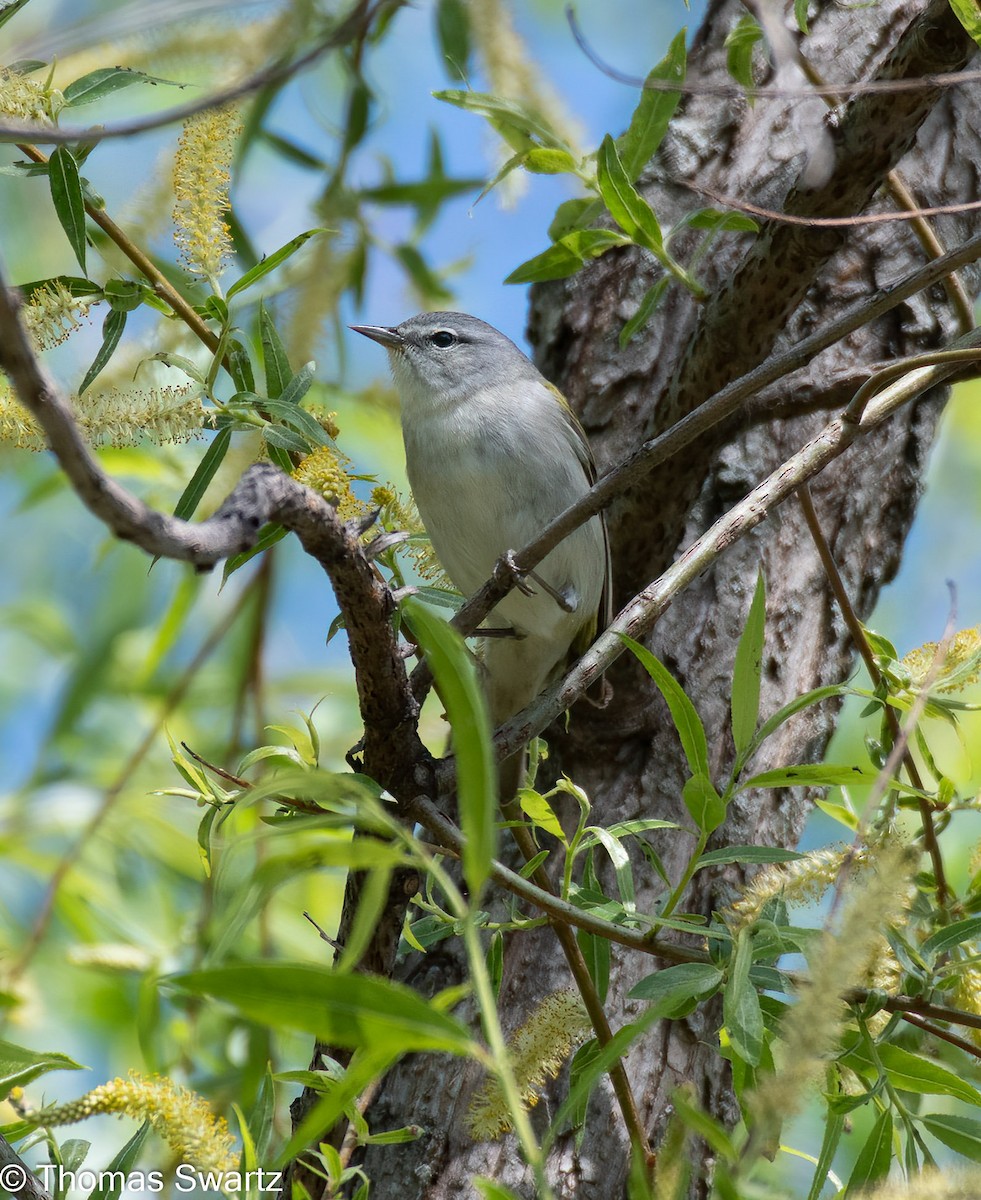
[{"x": 627, "y": 757}]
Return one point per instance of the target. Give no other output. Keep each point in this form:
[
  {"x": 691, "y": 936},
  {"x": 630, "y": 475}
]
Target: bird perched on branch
[{"x": 493, "y": 453}]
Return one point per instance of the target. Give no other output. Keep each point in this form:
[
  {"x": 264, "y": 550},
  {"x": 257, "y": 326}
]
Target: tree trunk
[{"x": 768, "y": 291}]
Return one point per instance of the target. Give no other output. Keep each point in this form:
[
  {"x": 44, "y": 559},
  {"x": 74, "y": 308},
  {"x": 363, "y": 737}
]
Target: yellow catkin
[
  {"x": 52, "y": 314},
  {"x": 797, "y": 882},
  {"x": 811, "y": 1027},
  {"x": 181, "y": 1117},
  {"x": 28, "y": 97},
  {"x": 931, "y": 1185},
  {"x": 201, "y": 182},
  {"x": 114, "y": 418},
  {"x": 325, "y": 473},
  {"x": 399, "y": 513},
  {"x": 537, "y": 1051},
  {"x": 966, "y": 995},
  {"x": 960, "y": 668}
]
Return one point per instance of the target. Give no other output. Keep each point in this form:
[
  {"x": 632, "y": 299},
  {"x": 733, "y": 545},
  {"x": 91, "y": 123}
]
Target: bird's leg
[{"x": 507, "y": 564}]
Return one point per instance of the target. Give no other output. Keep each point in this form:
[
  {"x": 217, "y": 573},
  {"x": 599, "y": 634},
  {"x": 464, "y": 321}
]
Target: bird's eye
[{"x": 442, "y": 339}]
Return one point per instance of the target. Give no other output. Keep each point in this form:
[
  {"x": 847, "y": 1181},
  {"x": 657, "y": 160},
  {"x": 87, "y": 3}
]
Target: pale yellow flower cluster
[
  {"x": 325, "y": 472},
  {"x": 116, "y": 418},
  {"x": 961, "y": 666},
  {"x": 52, "y": 314},
  {"x": 537, "y": 1050},
  {"x": 403, "y": 514},
  {"x": 181, "y": 1117},
  {"x": 201, "y": 182},
  {"x": 27, "y": 98}
]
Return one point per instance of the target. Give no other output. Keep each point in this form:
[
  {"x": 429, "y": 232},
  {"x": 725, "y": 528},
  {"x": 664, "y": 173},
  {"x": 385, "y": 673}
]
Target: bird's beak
[{"x": 386, "y": 335}]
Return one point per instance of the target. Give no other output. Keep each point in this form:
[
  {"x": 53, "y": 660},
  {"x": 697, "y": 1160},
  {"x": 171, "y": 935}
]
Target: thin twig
[
  {"x": 944, "y": 1034},
  {"x": 858, "y": 635}
]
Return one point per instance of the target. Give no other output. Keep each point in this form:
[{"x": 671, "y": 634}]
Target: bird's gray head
[{"x": 441, "y": 358}]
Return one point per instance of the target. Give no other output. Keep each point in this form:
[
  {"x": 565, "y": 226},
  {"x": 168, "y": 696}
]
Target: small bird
[{"x": 493, "y": 452}]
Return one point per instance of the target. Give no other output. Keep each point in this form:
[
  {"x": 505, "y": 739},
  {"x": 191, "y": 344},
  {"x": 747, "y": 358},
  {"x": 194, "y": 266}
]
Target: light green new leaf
[
  {"x": 66, "y": 194},
  {"x": 459, "y": 689},
  {"x": 654, "y": 110},
  {"x": 747, "y": 854},
  {"x": 686, "y": 719},
  {"x": 18, "y": 1065},
  {"x": 120, "y": 1167},
  {"x": 272, "y": 261},
  {"x": 626, "y": 205},
  {"x": 740, "y": 43},
  {"x": 810, "y": 775},
  {"x": 746, "y": 673},
  {"x": 969, "y": 15},
  {"x": 538, "y": 810},
  {"x": 359, "y": 1011},
  {"x": 706, "y": 806},
  {"x": 741, "y": 1010}
]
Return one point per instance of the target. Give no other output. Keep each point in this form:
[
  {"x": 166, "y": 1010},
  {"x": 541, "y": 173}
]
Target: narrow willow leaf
[
  {"x": 810, "y": 775},
  {"x": 687, "y": 722},
  {"x": 875, "y": 1157},
  {"x": 673, "y": 987},
  {"x": 297, "y": 418},
  {"x": 596, "y": 953},
  {"x": 741, "y": 1004},
  {"x": 645, "y": 310},
  {"x": 211, "y": 460},
  {"x": 961, "y": 1134},
  {"x": 121, "y": 1165},
  {"x": 66, "y": 193},
  {"x": 106, "y": 80},
  {"x": 272, "y": 261},
  {"x": 626, "y": 205},
  {"x": 463, "y": 697},
  {"x": 748, "y": 669},
  {"x": 740, "y": 43},
  {"x": 747, "y": 854},
  {"x": 112, "y": 331},
  {"x": 18, "y": 1065},
  {"x": 706, "y": 806},
  {"x": 834, "y": 1126},
  {"x": 969, "y": 15},
  {"x": 344, "y": 1010},
  {"x": 654, "y": 111},
  {"x": 277, "y": 364},
  {"x": 453, "y": 31},
  {"x": 946, "y": 939}
]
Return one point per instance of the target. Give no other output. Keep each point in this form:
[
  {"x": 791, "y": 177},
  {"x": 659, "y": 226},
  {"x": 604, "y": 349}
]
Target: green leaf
[
  {"x": 18, "y": 1065},
  {"x": 798, "y": 704},
  {"x": 810, "y": 775},
  {"x": 686, "y": 719},
  {"x": 741, "y": 1010},
  {"x": 359, "y": 103},
  {"x": 706, "y": 806},
  {"x": 834, "y": 1125},
  {"x": 800, "y": 16},
  {"x": 747, "y": 854},
  {"x": 673, "y": 989},
  {"x": 515, "y": 122},
  {"x": 961, "y": 1134},
  {"x": 875, "y": 1157},
  {"x": 211, "y": 460},
  {"x": 953, "y": 935},
  {"x": 654, "y": 111},
  {"x": 66, "y": 193},
  {"x": 281, "y": 437},
  {"x": 626, "y": 205},
  {"x": 112, "y": 331},
  {"x": 305, "y": 423},
  {"x": 969, "y": 15},
  {"x": 545, "y": 160},
  {"x": 740, "y": 43},
  {"x": 115, "y": 1173},
  {"x": 596, "y": 952},
  {"x": 716, "y": 221},
  {"x": 566, "y": 256},
  {"x": 621, "y": 864},
  {"x": 463, "y": 697},
  {"x": 491, "y": 1190},
  {"x": 271, "y": 262},
  {"x": 106, "y": 80},
  {"x": 269, "y": 535},
  {"x": 423, "y": 277},
  {"x": 75, "y": 285},
  {"x": 453, "y": 31},
  {"x": 911, "y": 1073},
  {"x": 10, "y": 9},
  {"x": 358, "y": 1011},
  {"x": 748, "y": 669},
  {"x": 373, "y": 898},
  {"x": 299, "y": 385},
  {"x": 274, "y": 357},
  {"x": 538, "y": 810},
  {"x": 645, "y": 310}
]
